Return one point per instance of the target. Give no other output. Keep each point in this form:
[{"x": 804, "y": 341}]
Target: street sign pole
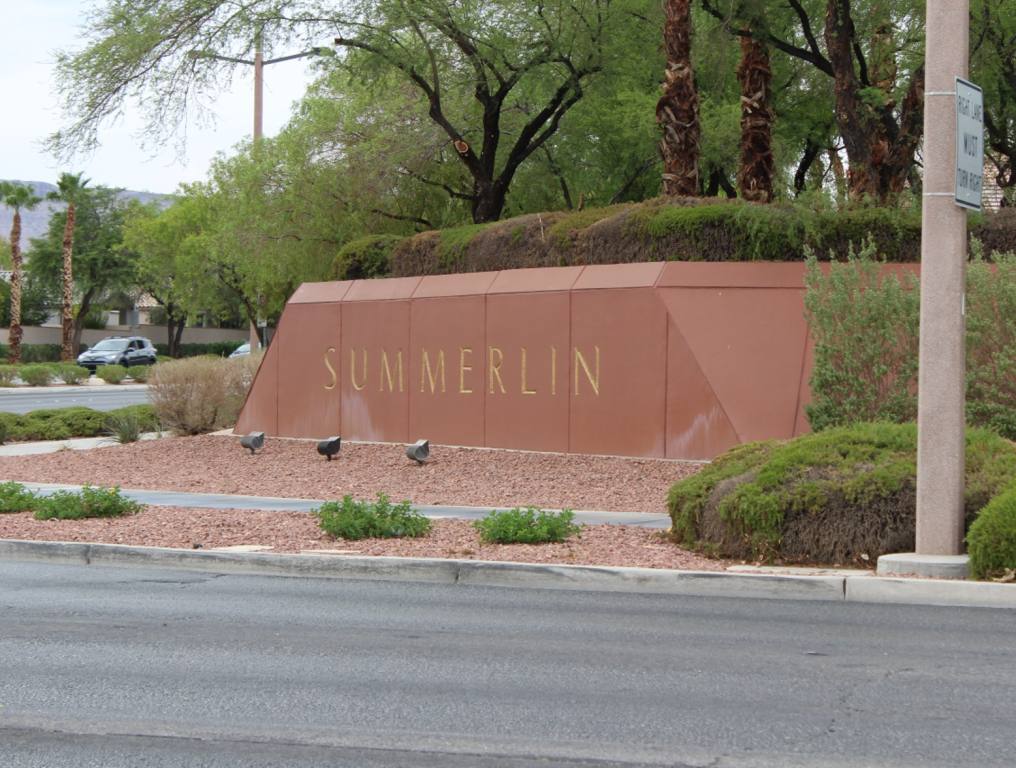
[{"x": 940, "y": 409}]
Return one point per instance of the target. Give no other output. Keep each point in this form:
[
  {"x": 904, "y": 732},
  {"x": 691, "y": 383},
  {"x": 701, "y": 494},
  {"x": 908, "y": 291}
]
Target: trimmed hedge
[
  {"x": 676, "y": 229},
  {"x": 365, "y": 257},
  {"x": 845, "y": 495},
  {"x": 64, "y": 423},
  {"x": 991, "y": 541}
]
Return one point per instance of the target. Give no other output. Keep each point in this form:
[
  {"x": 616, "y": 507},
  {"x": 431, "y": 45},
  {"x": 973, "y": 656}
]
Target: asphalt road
[
  {"x": 100, "y": 398},
  {"x": 104, "y": 666}
]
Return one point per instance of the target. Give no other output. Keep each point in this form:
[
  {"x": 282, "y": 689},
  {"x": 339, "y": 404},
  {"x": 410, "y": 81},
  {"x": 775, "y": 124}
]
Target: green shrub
[
  {"x": 526, "y": 526},
  {"x": 865, "y": 329},
  {"x": 991, "y": 343},
  {"x": 72, "y": 374},
  {"x": 124, "y": 427},
  {"x": 62, "y": 423},
  {"x": 847, "y": 494},
  {"x": 139, "y": 373},
  {"x": 201, "y": 394},
  {"x": 991, "y": 541},
  {"x": 8, "y": 374},
  {"x": 353, "y": 519},
  {"x": 36, "y": 375},
  {"x": 364, "y": 258},
  {"x": 144, "y": 414},
  {"x": 14, "y": 497},
  {"x": 89, "y": 502},
  {"x": 111, "y": 374}
]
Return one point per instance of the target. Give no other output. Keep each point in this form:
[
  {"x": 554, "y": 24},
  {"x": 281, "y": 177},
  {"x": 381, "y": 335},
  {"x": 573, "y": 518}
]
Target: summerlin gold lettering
[{"x": 514, "y": 366}]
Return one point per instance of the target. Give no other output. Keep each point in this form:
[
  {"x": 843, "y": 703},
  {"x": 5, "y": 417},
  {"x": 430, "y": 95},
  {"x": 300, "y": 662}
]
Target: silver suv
[{"x": 118, "y": 350}]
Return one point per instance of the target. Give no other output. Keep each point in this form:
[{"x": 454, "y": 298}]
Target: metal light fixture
[
  {"x": 253, "y": 442},
  {"x": 329, "y": 447},
  {"x": 418, "y": 451}
]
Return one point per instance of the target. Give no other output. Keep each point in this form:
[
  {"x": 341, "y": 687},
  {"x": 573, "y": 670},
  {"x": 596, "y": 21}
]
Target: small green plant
[
  {"x": 14, "y": 497},
  {"x": 352, "y": 519},
  {"x": 991, "y": 541},
  {"x": 8, "y": 373},
  {"x": 111, "y": 374},
  {"x": 89, "y": 502},
  {"x": 124, "y": 427},
  {"x": 526, "y": 526},
  {"x": 72, "y": 374},
  {"x": 139, "y": 373},
  {"x": 36, "y": 375}
]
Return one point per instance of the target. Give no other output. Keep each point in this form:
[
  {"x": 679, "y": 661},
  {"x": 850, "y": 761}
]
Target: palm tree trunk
[
  {"x": 67, "y": 316},
  {"x": 14, "y": 337},
  {"x": 677, "y": 110},
  {"x": 755, "y": 177}
]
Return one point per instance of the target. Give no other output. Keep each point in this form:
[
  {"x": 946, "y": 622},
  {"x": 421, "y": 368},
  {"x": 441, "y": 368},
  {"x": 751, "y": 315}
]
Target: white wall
[{"x": 157, "y": 333}]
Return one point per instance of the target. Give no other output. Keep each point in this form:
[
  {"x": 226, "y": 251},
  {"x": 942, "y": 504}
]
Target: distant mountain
[{"x": 34, "y": 223}]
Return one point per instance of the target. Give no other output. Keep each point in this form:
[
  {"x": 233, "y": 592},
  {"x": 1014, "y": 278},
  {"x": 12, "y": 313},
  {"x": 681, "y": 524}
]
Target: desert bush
[
  {"x": 991, "y": 541},
  {"x": 8, "y": 374},
  {"x": 865, "y": 328},
  {"x": 865, "y": 325},
  {"x": 144, "y": 414},
  {"x": 90, "y": 501},
  {"x": 72, "y": 374},
  {"x": 844, "y": 495},
  {"x": 352, "y": 519},
  {"x": 139, "y": 373},
  {"x": 201, "y": 394},
  {"x": 124, "y": 427},
  {"x": 991, "y": 343},
  {"x": 78, "y": 421},
  {"x": 526, "y": 526},
  {"x": 36, "y": 375},
  {"x": 14, "y": 497},
  {"x": 111, "y": 374}
]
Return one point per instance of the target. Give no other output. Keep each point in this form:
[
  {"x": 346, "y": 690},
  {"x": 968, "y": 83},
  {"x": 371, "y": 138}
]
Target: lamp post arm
[{"x": 290, "y": 57}]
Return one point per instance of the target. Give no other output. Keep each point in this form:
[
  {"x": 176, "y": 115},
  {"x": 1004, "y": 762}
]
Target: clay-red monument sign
[{"x": 682, "y": 360}]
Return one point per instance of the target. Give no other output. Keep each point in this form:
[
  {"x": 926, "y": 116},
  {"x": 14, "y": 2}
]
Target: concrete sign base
[{"x": 678, "y": 360}]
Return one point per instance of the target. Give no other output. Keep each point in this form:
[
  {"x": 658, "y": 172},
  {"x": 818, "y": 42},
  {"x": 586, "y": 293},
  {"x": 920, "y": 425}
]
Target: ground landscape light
[
  {"x": 329, "y": 447},
  {"x": 418, "y": 451},
  {"x": 253, "y": 442}
]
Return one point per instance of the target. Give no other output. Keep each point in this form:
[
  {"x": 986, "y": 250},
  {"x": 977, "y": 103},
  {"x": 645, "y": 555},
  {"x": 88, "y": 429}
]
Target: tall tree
[
  {"x": 70, "y": 188},
  {"x": 678, "y": 108},
  {"x": 19, "y": 198},
  {"x": 496, "y": 76},
  {"x": 102, "y": 266},
  {"x": 876, "y": 67}
]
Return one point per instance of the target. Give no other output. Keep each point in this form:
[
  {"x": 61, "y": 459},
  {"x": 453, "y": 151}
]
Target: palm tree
[
  {"x": 69, "y": 189},
  {"x": 677, "y": 110},
  {"x": 755, "y": 177},
  {"x": 17, "y": 197}
]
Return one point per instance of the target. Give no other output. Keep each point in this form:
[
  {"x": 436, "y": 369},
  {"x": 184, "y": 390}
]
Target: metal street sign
[{"x": 969, "y": 144}]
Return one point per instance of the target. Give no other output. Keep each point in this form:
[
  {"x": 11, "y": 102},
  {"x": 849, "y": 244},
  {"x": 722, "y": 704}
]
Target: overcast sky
[{"x": 28, "y": 39}]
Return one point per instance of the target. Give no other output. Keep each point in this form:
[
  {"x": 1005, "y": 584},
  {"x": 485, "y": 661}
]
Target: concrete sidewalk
[
  {"x": 70, "y": 444},
  {"x": 276, "y": 504}
]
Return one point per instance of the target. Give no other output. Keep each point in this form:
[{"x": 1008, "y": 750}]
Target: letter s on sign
[{"x": 331, "y": 371}]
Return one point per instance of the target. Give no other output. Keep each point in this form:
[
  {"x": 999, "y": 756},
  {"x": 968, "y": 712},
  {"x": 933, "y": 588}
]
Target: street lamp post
[{"x": 259, "y": 63}]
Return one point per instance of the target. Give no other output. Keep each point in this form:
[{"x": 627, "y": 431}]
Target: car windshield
[{"x": 110, "y": 345}]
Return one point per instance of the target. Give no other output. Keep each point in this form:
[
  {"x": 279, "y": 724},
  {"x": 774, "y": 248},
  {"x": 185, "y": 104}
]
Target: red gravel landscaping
[{"x": 292, "y": 468}]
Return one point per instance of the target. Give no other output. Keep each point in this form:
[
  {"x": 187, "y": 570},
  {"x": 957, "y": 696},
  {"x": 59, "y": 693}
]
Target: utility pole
[
  {"x": 259, "y": 101},
  {"x": 941, "y": 378},
  {"x": 941, "y": 423}
]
